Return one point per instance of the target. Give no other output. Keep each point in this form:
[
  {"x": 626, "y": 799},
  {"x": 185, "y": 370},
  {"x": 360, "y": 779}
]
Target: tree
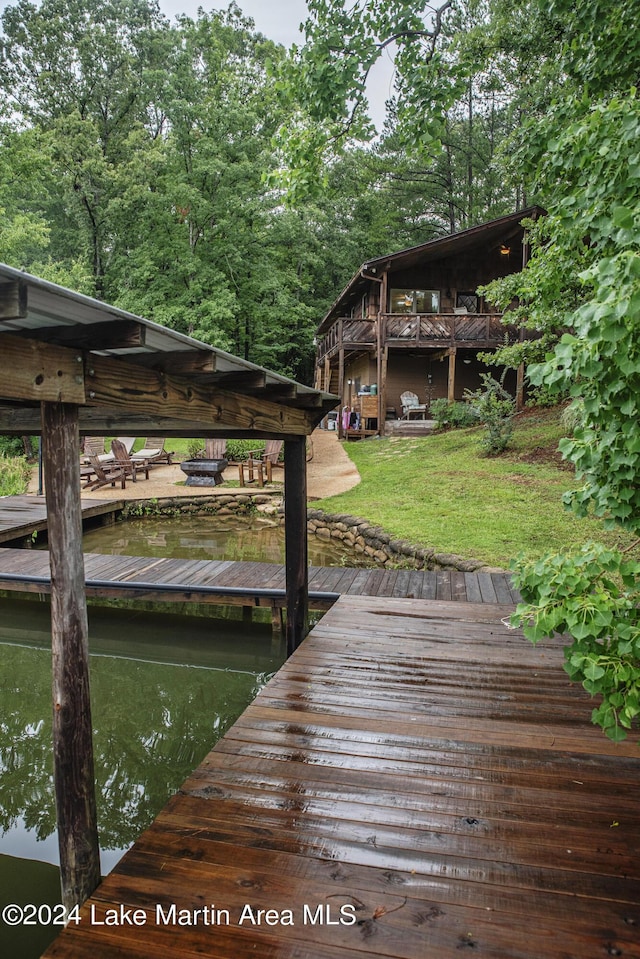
[{"x": 81, "y": 72}]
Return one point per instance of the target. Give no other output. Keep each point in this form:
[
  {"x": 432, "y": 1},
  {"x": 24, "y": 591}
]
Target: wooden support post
[
  {"x": 382, "y": 390},
  {"x": 340, "y": 390},
  {"x": 451, "y": 382},
  {"x": 520, "y": 387},
  {"x": 72, "y": 739},
  {"x": 277, "y": 622},
  {"x": 296, "y": 562}
]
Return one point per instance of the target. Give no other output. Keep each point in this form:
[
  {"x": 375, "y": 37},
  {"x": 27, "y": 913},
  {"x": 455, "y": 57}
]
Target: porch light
[{"x": 504, "y": 250}]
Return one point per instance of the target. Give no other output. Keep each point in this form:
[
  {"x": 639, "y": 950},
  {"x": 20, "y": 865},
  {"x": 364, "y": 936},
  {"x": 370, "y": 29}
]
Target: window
[
  {"x": 415, "y": 301},
  {"x": 468, "y": 301}
]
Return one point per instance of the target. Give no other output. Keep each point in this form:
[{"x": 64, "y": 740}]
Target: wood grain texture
[{"x": 419, "y": 763}]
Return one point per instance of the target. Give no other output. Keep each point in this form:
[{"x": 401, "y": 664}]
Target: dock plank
[{"x": 417, "y": 763}]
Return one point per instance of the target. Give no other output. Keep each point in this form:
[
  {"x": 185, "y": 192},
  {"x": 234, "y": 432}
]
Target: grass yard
[{"x": 441, "y": 491}]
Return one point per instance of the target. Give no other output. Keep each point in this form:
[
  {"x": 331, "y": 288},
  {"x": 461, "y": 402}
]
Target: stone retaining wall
[
  {"x": 219, "y": 504},
  {"x": 354, "y": 532},
  {"x": 361, "y": 536}
]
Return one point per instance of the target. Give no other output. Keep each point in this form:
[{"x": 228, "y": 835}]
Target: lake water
[
  {"x": 254, "y": 538},
  {"x": 164, "y": 688}
]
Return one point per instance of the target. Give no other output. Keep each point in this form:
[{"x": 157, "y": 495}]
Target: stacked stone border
[
  {"x": 373, "y": 541},
  {"x": 354, "y": 532},
  {"x": 220, "y": 504}
]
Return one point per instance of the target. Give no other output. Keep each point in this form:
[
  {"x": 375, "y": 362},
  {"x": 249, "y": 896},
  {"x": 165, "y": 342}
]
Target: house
[{"x": 414, "y": 321}]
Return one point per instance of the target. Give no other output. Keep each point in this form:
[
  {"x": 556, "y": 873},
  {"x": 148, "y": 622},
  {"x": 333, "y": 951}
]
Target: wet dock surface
[{"x": 416, "y": 781}]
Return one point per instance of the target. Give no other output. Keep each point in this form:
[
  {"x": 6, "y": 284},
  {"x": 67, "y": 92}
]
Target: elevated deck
[{"x": 416, "y": 782}]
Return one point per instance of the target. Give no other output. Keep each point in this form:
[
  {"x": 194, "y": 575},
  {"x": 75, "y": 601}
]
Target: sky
[{"x": 279, "y": 20}]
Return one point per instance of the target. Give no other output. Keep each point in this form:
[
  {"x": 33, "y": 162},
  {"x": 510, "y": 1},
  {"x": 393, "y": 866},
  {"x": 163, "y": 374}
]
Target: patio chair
[
  {"x": 261, "y": 463},
  {"x": 411, "y": 406},
  {"x": 94, "y": 446},
  {"x": 153, "y": 452},
  {"x": 126, "y": 463},
  {"x": 215, "y": 449},
  {"x": 98, "y": 474}
]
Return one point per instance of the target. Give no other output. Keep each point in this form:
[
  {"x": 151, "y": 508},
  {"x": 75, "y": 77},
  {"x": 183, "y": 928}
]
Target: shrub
[
  {"x": 11, "y": 446},
  {"x": 494, "y": 407},
  {"x": 195, "y": 449},
  {"x": 451, "y": 415},
  {"x": 14, "y": 475}
]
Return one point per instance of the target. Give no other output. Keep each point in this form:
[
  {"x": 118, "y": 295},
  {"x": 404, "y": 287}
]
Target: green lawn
[{"x": 440, "y": 491}]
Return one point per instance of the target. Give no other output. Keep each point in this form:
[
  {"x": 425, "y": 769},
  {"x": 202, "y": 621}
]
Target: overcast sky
[{"x": 279, "y": 20}]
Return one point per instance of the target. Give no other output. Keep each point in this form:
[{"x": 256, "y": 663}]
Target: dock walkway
[
  {"x": 417, "y": 781},
  {"x": 255, "y": 584},
  {"x": 22, "y": 516}
]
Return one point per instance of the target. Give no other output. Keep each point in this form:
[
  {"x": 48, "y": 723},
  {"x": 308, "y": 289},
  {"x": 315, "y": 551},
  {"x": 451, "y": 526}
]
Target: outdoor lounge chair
[
  {"x": 98, "y": 474},
  {"x": 152, "y": 451},
  {"x": 260, "y": 464},
  {"x": 126, "y": 463},
  {"x": 94, "y": 446},
  {"x": 411, "y": 406}
]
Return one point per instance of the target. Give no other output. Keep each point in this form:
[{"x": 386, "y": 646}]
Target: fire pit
[{"x": 204, "y": 472}]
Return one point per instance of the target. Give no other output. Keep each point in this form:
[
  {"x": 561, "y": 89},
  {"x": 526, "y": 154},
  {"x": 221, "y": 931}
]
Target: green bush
[
  {"x": 494, "y": 407},
  {"x": 14, "y": 475},
  {"x": 11, "y": 446},
  {"x": 195, "y": 449},
  {"x": 237, "y": 450},
  {"x": 451, "y": 415}
]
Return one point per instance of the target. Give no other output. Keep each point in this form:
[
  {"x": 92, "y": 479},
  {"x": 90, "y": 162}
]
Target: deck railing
[{"x": 424, "y": 328}]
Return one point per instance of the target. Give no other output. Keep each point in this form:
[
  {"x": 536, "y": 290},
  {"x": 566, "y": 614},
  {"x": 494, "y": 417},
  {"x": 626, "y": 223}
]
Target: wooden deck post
[
  {"x": 520, "y": 387},
  {"x": 451, "y": 381},
  {"x": 340, "y": 390},
  {"x": 72, "y": 739},
  {"x": 296, "y": 562}
]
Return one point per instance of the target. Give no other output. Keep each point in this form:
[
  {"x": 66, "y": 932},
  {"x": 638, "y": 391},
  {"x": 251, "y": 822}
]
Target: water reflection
[
  {"x": 164, "y": 689},
  {"x": 255, "y": 539}
]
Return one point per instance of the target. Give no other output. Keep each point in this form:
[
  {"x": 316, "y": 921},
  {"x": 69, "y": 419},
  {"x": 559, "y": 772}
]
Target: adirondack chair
[
  {"x": 126, "y": 463},
  {"x": 98, "y": 474},
  {"x": 94, "y": 446},
  {"x": 153, "y": 452},
  {"x": 215, "y": 449},
  {"x": 411, "y": 406},
  {"x": 260, "y": 463}
]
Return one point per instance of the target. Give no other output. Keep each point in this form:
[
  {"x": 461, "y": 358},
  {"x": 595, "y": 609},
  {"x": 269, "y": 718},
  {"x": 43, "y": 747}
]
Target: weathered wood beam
[
  {"x": 72, "y": 731},
  {"x": 40, "y": 372},
  {"x": 176, "y": 361},
  {"x": 249, "y": 381},
  {"x": 16, "y": 421},
  {"x": 13, "y": 300},
  {"x": 296, "y": 557},
  {"x": 154, "y": 394},
  {"x": 111, "y": 335}
]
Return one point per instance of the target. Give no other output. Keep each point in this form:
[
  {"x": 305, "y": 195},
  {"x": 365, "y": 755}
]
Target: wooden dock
[
  {"x": 22, "y": 516},
  {"x": 416, "y": 782},
  {"x": 252, "y": 584}
]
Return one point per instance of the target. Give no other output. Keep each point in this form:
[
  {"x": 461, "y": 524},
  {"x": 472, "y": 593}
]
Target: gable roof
[{"x": 498, "y": 231}]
